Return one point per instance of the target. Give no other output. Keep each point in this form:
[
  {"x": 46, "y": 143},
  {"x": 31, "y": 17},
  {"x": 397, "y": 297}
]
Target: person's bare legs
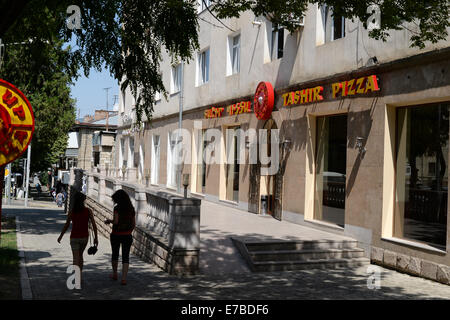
[
  {"x": 81, "y": 260},
  {"x": 114, "y": 267},
  {"x": 125, "y": 267},
  {"x": 76, "y": 257},
  {"x": 76, "y": 260},
  {"x": 115, "y": 247}
]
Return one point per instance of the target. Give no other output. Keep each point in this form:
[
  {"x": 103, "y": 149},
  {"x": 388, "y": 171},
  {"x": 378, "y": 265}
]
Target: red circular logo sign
[
  {"x": 263, "y": 101},
  {"x": 16, "y": 123}
]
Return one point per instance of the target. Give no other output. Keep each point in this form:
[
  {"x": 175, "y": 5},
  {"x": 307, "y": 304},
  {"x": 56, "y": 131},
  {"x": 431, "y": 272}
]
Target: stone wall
[
  {"x": 167, "y": 229},
  {"x": 411, "y": 265}
]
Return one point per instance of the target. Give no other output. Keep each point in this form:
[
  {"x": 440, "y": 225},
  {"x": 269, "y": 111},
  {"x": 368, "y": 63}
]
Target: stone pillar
[
  {"x": 131, "y": 175},
  {"x": 184, "y": 231},
  {"x": 117, "y": 185},
  {"x": 72, "y": 177},
  {"x": 90, "y": 184},
  {"x": 101, "y": 188},
  {"x": 141, "y": 205}
]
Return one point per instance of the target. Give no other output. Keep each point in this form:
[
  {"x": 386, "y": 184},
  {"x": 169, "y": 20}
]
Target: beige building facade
[{"x": 363, "y": 129}]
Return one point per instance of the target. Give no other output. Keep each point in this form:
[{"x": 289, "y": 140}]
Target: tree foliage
[
  {"x": 39, "y": 72},
  {"x": 127, "y": 36}
]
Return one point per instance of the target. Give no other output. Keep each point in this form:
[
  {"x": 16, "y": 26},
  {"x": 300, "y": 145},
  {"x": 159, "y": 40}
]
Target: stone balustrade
[{"x": 167, "y": 225}]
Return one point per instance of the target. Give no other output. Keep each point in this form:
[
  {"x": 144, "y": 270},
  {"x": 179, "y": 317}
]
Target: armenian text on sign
[
  {"x": 232, "y": 109},
  {"x": 238, "y": 108},
  {"x": 16, "y": 123}
]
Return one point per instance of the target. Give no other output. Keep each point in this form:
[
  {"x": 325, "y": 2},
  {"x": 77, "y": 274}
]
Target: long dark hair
[
  {"x": 78, "y": 202},
  {"x": 123, "y": 202}
]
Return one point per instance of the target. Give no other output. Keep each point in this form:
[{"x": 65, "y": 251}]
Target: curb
[{"x": 27, "y": 294}]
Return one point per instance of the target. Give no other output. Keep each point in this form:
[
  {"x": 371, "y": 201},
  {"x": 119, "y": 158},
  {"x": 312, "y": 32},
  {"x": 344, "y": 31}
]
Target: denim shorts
[{"x": 78, "y": 243}]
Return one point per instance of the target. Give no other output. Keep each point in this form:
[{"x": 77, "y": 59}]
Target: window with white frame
[
  {"x": 122, "y": 161},
  {"x": 203, "y": 4},
  {"x": 141, "y": 162},
  {"x": 201, "y": 162},
  {"x": 203, "y": 67},
  {"x": 171, "y": 160},
  {"x": 175, "y": 83},
  {"x": 131, "y": 152},
  {"x": 333, "y": 27},
  {"x": 122, "y": 103},
  {"x": 155, "y": 159},
  {"x": 277, "y": 42},
  {"x": 234, "y": 57}
]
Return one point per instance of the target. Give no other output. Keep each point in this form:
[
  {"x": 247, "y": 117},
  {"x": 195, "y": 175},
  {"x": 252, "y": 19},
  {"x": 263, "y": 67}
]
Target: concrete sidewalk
[
  {"x": 219, "y": 223},
  {"x": 223, "y": 273},
  {"x": 31, "y": 204}
]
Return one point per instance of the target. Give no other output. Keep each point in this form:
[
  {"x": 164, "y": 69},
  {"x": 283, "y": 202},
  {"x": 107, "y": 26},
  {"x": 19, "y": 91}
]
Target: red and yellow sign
[
  {"x": 214, "y": 113},
  {"x": 303, "y": 96},
  {"x": 232, "y": 109},
  {"x": 16, "y": 123},
  {"x": 355, "y": 86},
  {"x": 240, "y": 107},
  {"x": 264, "y": 100},
  {"x": 351, "y": 87}
]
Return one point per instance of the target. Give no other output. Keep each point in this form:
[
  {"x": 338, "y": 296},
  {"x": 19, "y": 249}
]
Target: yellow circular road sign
[
  {"x": 16, "y": 123},
  {"x": 6, "y": 173}
]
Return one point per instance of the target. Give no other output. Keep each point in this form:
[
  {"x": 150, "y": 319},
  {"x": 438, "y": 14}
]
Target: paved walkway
[
  {"x": 219, "y": 223},
  {"x": 224, "y": 274}
]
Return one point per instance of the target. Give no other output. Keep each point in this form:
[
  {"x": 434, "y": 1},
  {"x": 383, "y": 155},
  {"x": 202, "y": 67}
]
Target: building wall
[
  {"x": 407, "y": 76},
  {"x": 305, "y": 59}
]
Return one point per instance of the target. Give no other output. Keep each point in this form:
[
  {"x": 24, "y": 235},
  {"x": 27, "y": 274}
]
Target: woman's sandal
[
  {"x": 123, "y": 282},
  {"x": 112, "y": 277}
]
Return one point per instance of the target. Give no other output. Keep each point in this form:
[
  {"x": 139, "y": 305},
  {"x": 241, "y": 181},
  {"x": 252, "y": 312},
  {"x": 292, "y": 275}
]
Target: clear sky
[{"x": 90, "y": 94}]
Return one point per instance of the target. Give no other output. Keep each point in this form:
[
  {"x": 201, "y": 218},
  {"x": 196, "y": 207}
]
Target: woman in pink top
[{"x": 79, "y": 236}]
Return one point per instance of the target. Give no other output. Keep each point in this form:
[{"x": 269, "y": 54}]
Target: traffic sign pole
[
  {"x": 8, "y": 184},
  {"x": 2, "y": 177},
  {"x": 27, "y": 179}
]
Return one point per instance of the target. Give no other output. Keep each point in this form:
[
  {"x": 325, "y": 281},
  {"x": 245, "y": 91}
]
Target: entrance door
[
  {"x": 271, "y": 185},
  {"x": 331, "y": 156},
  {"x": 253, "y": 192}
]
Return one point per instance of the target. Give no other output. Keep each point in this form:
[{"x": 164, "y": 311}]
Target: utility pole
[
  {"x": 24, "y": 174},
  {"x": 107, "y": 107},
  {"x": 27, "y": 183},
  {"x": 2, "y": 178},
  {"x": 2, "y": 52},
  {"x": 8, "y": 184}
]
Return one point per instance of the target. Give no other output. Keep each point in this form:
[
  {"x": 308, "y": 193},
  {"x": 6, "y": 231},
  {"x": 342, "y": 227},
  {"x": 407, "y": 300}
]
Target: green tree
[
  {"x": 44, "y": 79},
  {"x": 128, "y": 36}
]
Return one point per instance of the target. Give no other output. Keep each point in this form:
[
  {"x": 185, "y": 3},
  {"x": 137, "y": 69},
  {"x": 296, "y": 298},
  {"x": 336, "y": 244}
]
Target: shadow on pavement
[{"x": 47, "y": 263}]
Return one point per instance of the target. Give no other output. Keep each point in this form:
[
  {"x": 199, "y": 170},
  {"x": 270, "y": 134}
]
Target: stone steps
[
  {"x": 254, "y": 246},
  {"x": 268, "y": 266},
  {"x": 279, "y": 255},
  {"x": 306, "y": 255}
]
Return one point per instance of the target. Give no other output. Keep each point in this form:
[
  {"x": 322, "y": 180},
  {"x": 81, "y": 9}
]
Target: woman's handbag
[{"x": 92, "y": 248}]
